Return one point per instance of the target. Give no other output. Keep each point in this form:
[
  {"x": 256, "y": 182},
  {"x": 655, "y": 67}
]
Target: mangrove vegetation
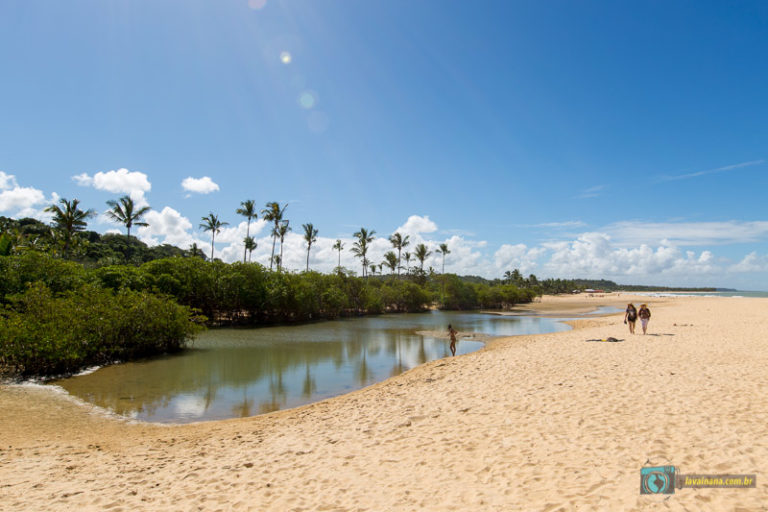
[{"x": 71, "y": 298}]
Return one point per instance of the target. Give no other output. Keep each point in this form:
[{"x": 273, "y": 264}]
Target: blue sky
[{"x": 570, "y": 139}]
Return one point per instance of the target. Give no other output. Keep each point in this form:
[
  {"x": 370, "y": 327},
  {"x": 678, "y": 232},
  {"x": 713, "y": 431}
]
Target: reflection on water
[{"x": 241, "y": 372}]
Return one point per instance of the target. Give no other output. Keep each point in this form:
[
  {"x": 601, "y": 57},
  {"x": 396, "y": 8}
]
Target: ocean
[{"x": 738, "y": 293}]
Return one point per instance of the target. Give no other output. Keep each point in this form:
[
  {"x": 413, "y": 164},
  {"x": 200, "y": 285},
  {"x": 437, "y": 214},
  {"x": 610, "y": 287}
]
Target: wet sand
[{"x": 544, "y": 422}]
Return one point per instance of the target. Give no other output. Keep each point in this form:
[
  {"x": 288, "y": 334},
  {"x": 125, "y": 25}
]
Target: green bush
[
  {"x": 17, "y": 272},
  {"x": 405, "y": 296},
  {"x": 118, "y": 277},
  {"x": 42, "y": 334},
  {"x": 459, "y": 294}
]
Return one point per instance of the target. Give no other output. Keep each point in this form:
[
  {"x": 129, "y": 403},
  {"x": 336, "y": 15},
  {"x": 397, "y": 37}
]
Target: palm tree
[
  {"x": 69, "y": 219},
  {"x": 422, "y": 253},
  {"x": 390, "y": 260},
  {"x": 310, "y": 236},
  {"x": 360, "y": 248},
  {"x": 399, "y": 242},
  {"x": 248, "y": 210},
  {"x": 123, "y": 212},
  {"x": 281, "y": 232},
  {"x": 195, "y": 251},
  {"x": 407, "y": 261},
  {"x": 250, "y": 246},
  {"x": 213, "y": 224},
  {"x": 443, "y": 250},
  {"x": 338, "y": 246},
  {"x": 273, "y": 213},
  {"x": 514, "y": 277}
]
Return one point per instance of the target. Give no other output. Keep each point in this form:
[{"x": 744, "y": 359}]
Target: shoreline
[{"x": 531, "y": 421}]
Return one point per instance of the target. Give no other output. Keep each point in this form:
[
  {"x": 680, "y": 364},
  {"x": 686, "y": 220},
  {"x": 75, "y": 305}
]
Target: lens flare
[
  {"x": 285, "y": 57},
  {"x": 307, "y": 99}
]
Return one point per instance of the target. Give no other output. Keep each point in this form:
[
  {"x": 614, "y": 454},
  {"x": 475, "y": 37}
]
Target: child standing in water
[{"x": 452, "y": 332}]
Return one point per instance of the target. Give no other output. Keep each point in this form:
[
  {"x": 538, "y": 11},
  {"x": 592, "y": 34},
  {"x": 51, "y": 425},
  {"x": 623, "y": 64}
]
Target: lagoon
[{"x": 229, "y": 373}]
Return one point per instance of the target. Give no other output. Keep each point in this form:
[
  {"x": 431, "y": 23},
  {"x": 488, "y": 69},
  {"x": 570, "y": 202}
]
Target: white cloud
[
  {"x": 751, "y": 263},
  {"x": 204, "y": 185},
  {"x": 20, "y": 202},
  {"x": 84, "y": 180},
  {"x": 593, "y": 255},
  {"x": 519, "y": 256},
  {"x": 466, "y": 257},
  {"x": 237, "y": 233},
  {"x": 19, "y": 198},
  {"x": 7, "y": 181},
  {"x": 166, "y": 226},
  {"x": 417, "y": 224},
  {"x": 121, "y": 181},
  {"x": 234, "y": 237}
]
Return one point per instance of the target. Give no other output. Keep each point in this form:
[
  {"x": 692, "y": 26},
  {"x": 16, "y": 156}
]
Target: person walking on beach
[
  {"x": 645, "y": 315},
  {"x": 630, "y": 317},
  {"x": 452, "y": 333}
]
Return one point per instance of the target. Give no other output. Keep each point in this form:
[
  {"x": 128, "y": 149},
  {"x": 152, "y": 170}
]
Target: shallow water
[{"x": 242, "y": 372}]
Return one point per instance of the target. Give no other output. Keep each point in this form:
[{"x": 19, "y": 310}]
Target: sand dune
[{"x": 545, "y": 422}]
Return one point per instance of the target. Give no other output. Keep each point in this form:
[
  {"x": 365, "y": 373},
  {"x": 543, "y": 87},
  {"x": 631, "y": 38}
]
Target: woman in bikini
[
  {"x": 630, "y": 317},
  {"x": 453, "y": 333}
]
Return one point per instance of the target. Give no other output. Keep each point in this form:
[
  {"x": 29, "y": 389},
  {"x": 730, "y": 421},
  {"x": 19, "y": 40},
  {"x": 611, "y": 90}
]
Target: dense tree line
[{"x": 248, "y": 293}]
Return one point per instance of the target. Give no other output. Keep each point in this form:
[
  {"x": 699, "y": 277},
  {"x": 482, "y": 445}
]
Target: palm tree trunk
[
  {"x": 339, "y": 258},
  {"x": 213, "y": 237},
  {"x": 247, "y": 235},
  {"x": 308, "y": 247},
  {"x": 398, "y": 260},
  {"x": 272, "y": 259},
  {"x": 443, "y": 272}
]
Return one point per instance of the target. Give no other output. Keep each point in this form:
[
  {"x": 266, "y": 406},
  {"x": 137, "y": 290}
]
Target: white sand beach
[{"x": 544, "y": 422}]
